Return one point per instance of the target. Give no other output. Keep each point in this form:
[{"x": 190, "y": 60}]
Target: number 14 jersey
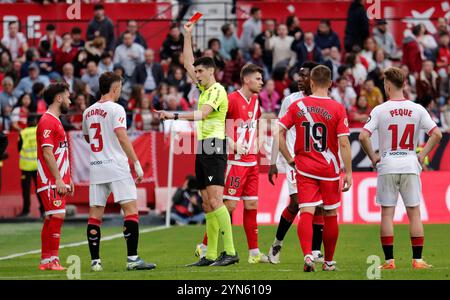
[
  {"x": 319, "y": 122},
  {"x": 108, "y": 162}
]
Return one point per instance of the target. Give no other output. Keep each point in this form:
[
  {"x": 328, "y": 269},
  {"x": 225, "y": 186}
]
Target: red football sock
[
  {"x": 318, "y": 220},
  {"x": 45, "y": 242},
  {"x": 288, "y": 215},
  {"x": 251, "y": 228},
  {"x": 205, "y": 239},
  {"x": 305, "y": 232},
  {"x": 330, "y": 236},
  {"x": 54, "y": 234}
]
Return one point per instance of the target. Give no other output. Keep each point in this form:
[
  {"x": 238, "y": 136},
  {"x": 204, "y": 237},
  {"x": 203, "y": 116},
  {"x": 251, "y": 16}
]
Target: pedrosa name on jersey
[{"x": 96, "y": 112}]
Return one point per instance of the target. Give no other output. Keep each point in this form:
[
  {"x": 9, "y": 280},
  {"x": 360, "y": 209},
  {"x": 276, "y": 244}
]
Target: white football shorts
[
  {"x": 390, "y": 185},
  {"x": 123, "y": 190}
]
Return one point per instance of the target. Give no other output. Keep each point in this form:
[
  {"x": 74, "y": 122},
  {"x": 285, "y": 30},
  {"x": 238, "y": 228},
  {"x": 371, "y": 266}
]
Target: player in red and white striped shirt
[
  {"x": 53, "y": 176},
  {"x": 321, "y": 131}
]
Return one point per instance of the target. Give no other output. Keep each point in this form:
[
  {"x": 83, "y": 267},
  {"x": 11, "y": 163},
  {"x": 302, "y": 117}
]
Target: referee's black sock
[
  {"x": 93, "y": 236},
  {"x": 131, "y": 233}
]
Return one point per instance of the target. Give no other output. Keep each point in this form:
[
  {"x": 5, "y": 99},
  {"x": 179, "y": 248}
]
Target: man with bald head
[{"x": 149, "y": 73}]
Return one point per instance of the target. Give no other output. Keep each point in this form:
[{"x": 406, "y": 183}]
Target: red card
[{"x": 195, "y": 17}]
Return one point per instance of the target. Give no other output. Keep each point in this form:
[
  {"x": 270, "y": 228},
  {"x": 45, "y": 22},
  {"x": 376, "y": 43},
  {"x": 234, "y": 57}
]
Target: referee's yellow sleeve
[{"x": 215, "y": 97}]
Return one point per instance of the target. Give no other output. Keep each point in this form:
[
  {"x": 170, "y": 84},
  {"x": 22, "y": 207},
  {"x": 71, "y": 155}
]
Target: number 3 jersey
[
  {"x": 50, "y": 133},
  {"x": 398, "y": 123},
  {"x": 319, "y": 122},
  {"x": 108, "y": 162}
]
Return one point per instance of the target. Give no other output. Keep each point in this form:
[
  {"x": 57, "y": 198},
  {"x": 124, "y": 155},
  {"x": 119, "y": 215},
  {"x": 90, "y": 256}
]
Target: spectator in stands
[
  {"x": 80, "y": 63},
  {"x": 306, "y": 49},
  {"x": 101, "y": 25},
  {"x": 76, "y": 111},
  {"x": 359, "y": 113},
  {"x": 47, "y": 63},
  {"x": 444, "y": 88},
  {"x": 25, "y": 84},
  {"x": 149, "y": 73},
  {"x": 31, "y": 55},
  {"x": 143, "y": 117},
  {"x": 158, "y": 99},
  {"x": 428, "y": 83},
  {"x": 256, "y": 58},
  {"x": 445, "y": 115},
  {"x": 129, "y": 54},
  {"x": 368, "y": 53},
  {"x": 50, "y": 35},
  {"x": 344, "y": 93},
  {"x": 372, "y": 93},
  {"x": 441, "y": 27},
  {"x": 281, "y": 78},
  {"x": 232, "y": 71},
  {"x": 326, "y": 38},
  {"x": 39, "y": 105},
  {"x": 21, "y": 112},
  {"x": 172, "y": 46},
  {"x": 333, "y": 61},
  {"x": 435, "y": 114},
  {"x": 413, "y": 51},
  {"x": 182, "y": 103},
  {"x": 280, "y": 46},
  {"x": 384, "y": 38},
  {"x": 6, "y": 64},
  {"x": 228, "y": 41},
  {"x": 187, "y": 204},
  {"x": 75, "y": 84},
  {"x": 7, "y": 98},
  {"x": 28, "y": 165},
  {"x": 357, "y": 26},
  {"x": 214, "y": 45},
  {"x": 15, "y": 41},
  {"x": 428, "y": 43},
  {"x": 250, "y": 30},
  {"x": 380, "y": 59},
  {"x": 91, "y": 78},
  {"x": 66, "y": 53},
  {"x": 132, "y": 27},
  {"x": 95, "y": 49},
  {"x": 359, "y": 72},
  {"x": 77, "y": 40},
  {"x": 269, "y": 30},
  {"x": 270, "y": 99},
  {"x": 136, "y": 96},
  {"x": 106, "y": 63},
  {"x": 293, "y": 26},
  {"x": 443, "y": 56},
  {"x": 126, "y": 85},
  {"x": 177, "y": 78}
]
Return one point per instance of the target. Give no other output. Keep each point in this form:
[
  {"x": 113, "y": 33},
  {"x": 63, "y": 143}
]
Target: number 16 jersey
[
  {"x": 108, "y": 162},
  {"x": 319, "y": 122}
]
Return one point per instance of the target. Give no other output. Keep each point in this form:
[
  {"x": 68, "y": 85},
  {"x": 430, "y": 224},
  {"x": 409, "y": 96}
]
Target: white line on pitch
[{"x": 106, "y": 238}]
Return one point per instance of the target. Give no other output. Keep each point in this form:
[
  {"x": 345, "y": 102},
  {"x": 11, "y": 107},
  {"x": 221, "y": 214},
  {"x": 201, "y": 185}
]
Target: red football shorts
[
  {"x": 241, "y": 183},
  {"x": 53, "y": 202},
  {"x": 314, "y": 192}
]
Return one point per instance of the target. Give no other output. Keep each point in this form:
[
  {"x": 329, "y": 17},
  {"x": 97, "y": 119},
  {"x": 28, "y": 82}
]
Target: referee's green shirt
[{"x": 214, "y": 124}]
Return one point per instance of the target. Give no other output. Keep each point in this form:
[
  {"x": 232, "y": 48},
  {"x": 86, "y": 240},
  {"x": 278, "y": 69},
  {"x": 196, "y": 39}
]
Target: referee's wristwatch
[{"x": 175, "y": 116}]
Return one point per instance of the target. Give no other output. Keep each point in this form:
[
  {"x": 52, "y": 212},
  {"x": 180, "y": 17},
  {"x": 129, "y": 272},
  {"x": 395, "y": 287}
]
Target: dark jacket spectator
[
  {"x": 132, "y": 27},
  {"x": 172, "y": 45},
  {"x": 141, "y": 72},
  {"x": 306, "y": 49},
  {"x": 325, "y": 37},
  {"x": 357, "y": 27},
  {"x": 101, "y": 25}
]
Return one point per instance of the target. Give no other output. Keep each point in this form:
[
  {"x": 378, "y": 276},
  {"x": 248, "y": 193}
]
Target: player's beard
[{"x": 64, "y": 109}]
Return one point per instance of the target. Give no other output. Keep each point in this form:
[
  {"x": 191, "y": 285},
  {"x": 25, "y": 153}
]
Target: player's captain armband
[{"x": 194, "y": 19}]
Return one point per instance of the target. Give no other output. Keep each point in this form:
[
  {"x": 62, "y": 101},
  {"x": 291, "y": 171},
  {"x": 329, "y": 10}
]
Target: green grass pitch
[{"x": 172, "y": 248}]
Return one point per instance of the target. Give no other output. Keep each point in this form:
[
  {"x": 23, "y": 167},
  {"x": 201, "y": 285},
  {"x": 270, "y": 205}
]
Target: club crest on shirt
[
  {"x": 57, "y": 203},
  {"x": 231, "y": 191},
  {"x": 250, "y": 114},
  {"x": 47, "y": 133}
]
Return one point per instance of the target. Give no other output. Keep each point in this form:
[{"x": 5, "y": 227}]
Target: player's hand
[
  {"x": 241, "y": 149},
  {"x": 421, "y": 158},
  {"x": 139, "y": 171},
  {"x": 188, "y": 27},
  {"x": 291, "y": 162},
  {"x": 61, "y": 187},
  {"x": 273, "y": 170},
  {"x": 375, "y": 160},
  {"x": 347, "y": 182},
  {"x": 72, "y": 188}
]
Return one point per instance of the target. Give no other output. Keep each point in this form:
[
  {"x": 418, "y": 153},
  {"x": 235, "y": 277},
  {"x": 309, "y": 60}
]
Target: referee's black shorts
[{"x": 210, "y": 163}]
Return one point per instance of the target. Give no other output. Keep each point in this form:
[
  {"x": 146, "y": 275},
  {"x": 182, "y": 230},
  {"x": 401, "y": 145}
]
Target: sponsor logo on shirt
[
  {"x": 57, "y": 203},
  {"x": 101, "y": 162}
]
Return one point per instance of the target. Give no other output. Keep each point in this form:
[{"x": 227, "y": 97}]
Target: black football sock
[
  {"x": 131, "y": 234},
  {"x": 93, "y": 236}
]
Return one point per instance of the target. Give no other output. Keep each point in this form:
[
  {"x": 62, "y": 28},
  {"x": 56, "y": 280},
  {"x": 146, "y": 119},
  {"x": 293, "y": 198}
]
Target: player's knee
[
  {"x": 251, "y": 204},
  {"x": 231, "y": 205},
  {"x": 320, "y": 211},
  {"x": 326, "y": 212},
  {"x": 59, "y": 216}
]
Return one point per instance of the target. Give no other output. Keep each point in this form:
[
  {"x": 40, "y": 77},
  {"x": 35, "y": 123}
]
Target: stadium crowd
[{"x": 154, "y": 77}]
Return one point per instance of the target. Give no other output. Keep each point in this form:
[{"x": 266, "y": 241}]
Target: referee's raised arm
[{"x": 188, "y": 55}]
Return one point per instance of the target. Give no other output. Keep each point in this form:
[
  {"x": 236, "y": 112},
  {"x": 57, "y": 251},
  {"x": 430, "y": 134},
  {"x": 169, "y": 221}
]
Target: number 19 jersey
[
  {"x": 398, "y": 123},
  {"x": 319, "y": 122},
  {"x": 108, "y": 161}
]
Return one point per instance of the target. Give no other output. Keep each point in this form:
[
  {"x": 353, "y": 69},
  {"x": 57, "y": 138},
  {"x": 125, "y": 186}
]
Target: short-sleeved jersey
[
  {"x": 398, "y": 123},
  {"x": 319, "y": 122},
  {"x": 50, "y": 133},
  {"x": 290, "y": 135},
  {"x": 242, "y": 120},
  {"x": 214, "y": 124},
  {"x": 108, "y": 161}
]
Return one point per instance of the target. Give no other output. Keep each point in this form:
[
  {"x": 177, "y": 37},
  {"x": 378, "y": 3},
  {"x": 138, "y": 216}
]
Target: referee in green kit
[{"x": 211, "y": 158}]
